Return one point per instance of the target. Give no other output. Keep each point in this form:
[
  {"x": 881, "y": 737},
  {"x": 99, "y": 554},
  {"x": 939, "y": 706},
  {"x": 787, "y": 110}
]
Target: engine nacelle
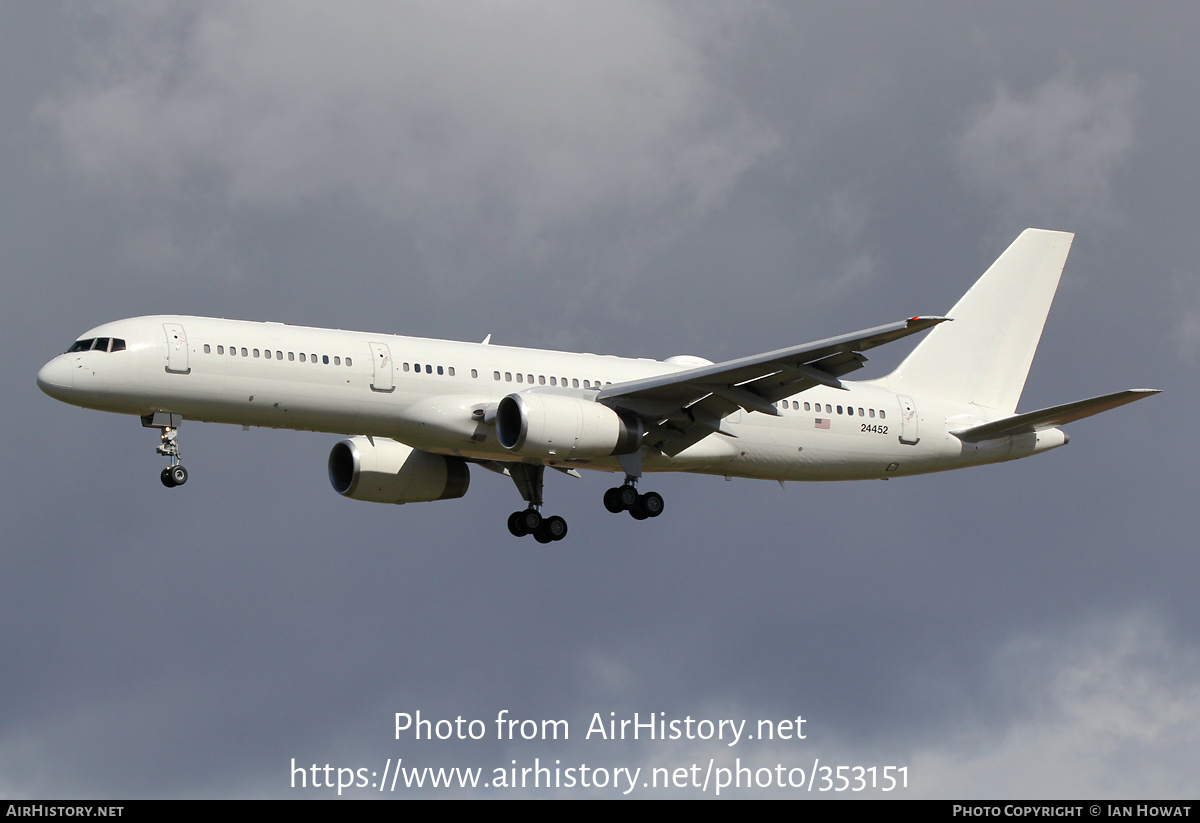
[
  {"x": 557, "y": 427},
  {"x": 384, "y": 471}
]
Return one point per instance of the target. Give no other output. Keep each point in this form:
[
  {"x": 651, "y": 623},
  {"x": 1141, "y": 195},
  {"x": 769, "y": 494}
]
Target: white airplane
[{"x": 420, "y": 411}]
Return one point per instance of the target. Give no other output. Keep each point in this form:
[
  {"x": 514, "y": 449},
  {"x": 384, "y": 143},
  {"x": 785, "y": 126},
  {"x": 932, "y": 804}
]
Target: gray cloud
[
  {"x": 513, "y": 119},
  {"x": 646, "y": 179},
  {"x": 1052, "y": 154}
]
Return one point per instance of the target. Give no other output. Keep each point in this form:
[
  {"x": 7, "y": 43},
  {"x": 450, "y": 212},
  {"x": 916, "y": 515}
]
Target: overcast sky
[{"x": 642, "y": 179}]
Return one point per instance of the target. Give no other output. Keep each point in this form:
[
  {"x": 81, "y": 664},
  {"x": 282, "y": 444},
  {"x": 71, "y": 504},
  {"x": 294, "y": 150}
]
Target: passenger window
[
  {"x": 267, "y": 353},
  {"x": 587, "y": 384},
  {"x": 302, "y": 360},
  {"x": 348, "y": 363},
  {"x": 871, "y": 412},
  {"x": 553, "y": 381},
  {"x": 312, "y": 358},
  {"x": 806, "y": 406},
  {"x": 337, "y": 361},
  {"x": 451, "y": 371},
  {"x": 496, "y": 376},
  {"x": 207, "y": 349},
  {"x": 291, "y": 355},
  {"x": 508, "y": 377},
  {"x": 475, "y": 373},
  {"x": 220, "y": 349},
  {"x": 520, "y": 378},
  {"x": 541, "y": 379},
  {"x": 256, "y": 352},
  {"x": 574, "y": 382},
  {"x": 439, "y": 369},
  {"x": 882, "y": 414},
  {"x": 325, "y": 359},
  {"x": 849, "y": 410},
  {"x": 244, "y": 352}
]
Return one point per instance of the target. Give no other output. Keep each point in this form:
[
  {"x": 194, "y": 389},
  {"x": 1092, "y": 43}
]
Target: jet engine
[
  {"x": 552, "y": 426},
  {"x": 384, "y": 471}
]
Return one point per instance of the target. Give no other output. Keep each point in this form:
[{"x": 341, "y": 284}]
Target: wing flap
[
  {"x": 700, "y": 380},
  {"x": 684, "y": 407}
]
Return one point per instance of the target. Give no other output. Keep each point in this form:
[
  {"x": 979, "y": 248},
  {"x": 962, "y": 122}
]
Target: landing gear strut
[
  {"x": 625, "y": 498},
  {"x": 530, "y": 521},
  {"x": 168, "y": 424}
]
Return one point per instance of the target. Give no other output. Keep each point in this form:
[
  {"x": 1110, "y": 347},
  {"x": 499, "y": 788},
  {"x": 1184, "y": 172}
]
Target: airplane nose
[{"x": 54, "y": 378}]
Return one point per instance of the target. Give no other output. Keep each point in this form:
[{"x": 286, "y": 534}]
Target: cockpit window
[{"x": 97, "y": 344}]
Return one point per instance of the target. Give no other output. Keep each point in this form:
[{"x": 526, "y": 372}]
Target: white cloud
[
  {"x": 516, "y": 117},
  {"x": 848, "y": 218},
  {"x": 1112, "y": 710},
  {"x": 1052, "y": 155},
  {"x": 1187, "y": 328}
]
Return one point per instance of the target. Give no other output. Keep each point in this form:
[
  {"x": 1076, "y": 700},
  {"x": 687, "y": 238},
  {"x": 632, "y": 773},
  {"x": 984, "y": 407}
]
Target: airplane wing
[
  {"x": 1051, "y": 417},
  {"x": 684, "y": 407}
]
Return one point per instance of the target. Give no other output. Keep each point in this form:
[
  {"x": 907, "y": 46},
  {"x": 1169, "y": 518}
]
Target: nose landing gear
[
  {"x": 168, "y": 424},
  {"x": 174, "y": 476}
]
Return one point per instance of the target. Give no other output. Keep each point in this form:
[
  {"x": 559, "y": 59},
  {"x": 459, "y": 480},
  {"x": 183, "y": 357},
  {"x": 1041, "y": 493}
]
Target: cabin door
[
  {"x": 908, "y": 421},
  {"x": 381, "y": 358},
  {"x": 177, "y": 349}
]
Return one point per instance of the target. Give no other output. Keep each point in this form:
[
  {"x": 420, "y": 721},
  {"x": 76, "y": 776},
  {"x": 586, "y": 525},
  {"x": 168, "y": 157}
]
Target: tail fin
[{"x": 983, "y": 357}]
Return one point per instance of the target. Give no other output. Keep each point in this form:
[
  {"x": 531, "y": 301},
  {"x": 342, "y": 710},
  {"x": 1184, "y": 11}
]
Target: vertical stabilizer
[{"x": 983, "y": 356}]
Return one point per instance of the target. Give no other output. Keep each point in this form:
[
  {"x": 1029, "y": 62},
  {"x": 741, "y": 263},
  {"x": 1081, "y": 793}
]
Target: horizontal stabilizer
[{"x": 1051, "y": 417}]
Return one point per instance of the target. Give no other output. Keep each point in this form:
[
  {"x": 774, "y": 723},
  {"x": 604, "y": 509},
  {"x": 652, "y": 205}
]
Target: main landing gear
[
  {"x": 530, "y": 521},
  {"x": 168, "y": 424},
  {"x": 625, "y": 498},
  {"x": 543, "y": 529}
]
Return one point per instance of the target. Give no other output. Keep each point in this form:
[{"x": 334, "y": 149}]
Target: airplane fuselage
[{"x": 435, "y": 395}]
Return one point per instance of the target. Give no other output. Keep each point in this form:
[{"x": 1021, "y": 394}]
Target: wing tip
[{"x": 926, "y": 320}]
